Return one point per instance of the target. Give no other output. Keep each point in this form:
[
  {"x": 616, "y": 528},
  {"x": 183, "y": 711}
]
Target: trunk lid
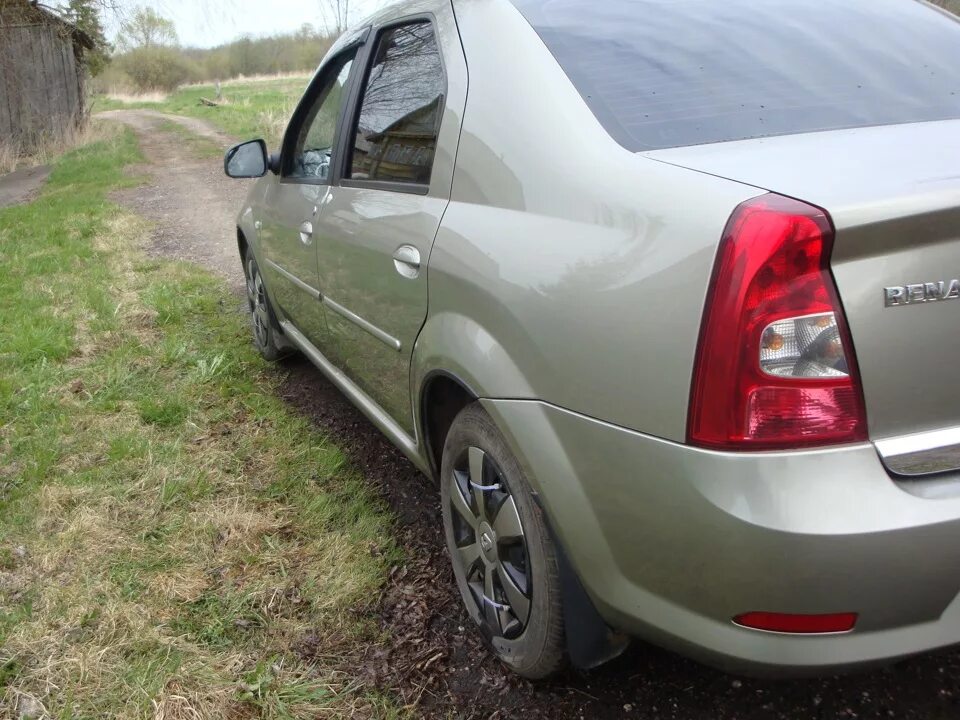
[{"x": 894, "y": 196}]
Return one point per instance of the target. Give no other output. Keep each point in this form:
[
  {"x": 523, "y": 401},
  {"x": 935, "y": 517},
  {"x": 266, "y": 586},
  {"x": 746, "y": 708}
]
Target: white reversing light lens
[{"x": 803, "y": 347}]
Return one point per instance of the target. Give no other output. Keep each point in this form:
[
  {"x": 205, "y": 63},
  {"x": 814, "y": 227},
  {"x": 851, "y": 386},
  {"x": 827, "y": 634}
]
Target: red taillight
[
  {"x": 799, "y": 624},
  {"x": 775, "y": 367}
]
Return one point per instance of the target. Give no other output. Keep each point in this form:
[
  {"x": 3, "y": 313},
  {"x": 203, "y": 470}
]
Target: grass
[
  {"x": 251, "y": 108},
  {"x": 131, "y": 98},
  {"x": 12, "y": 156},
  {"x": 169, "y": 531},
  {"x": 200, "y": 147}
]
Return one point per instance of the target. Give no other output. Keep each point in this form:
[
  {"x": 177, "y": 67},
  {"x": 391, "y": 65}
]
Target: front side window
[
  {"x": 403, "y": 100},
  {"x": 313, "y": 148}
]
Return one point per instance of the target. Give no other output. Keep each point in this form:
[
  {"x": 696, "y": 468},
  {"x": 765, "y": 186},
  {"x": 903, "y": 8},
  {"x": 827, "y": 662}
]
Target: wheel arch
[
  {"x": 455, "y": 362},
  {"x": 442, "y": 396},
  {"x": 248, "y": 235},
  {"x": 243, "y": 247},
  {"x": 589, "y": 640},
  {"x": 242, "y": 244}
]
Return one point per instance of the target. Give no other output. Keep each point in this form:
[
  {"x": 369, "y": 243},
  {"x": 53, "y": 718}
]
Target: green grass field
[
  {"x": 250, "y": 109},
  {"x": 169, "y": 530}
]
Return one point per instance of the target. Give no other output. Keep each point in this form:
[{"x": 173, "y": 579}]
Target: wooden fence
[{"x": 41, "y": 84}]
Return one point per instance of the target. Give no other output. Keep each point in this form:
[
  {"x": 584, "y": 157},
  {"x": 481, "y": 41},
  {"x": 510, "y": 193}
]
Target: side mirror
[{"x": 246, "y": 160}]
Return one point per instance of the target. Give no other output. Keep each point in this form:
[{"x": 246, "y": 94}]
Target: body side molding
[
  {"x": 364, "y": 325},
  {"x": 309, "y": 289}
]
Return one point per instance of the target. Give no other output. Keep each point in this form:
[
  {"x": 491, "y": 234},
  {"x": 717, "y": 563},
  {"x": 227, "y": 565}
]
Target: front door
[
  {"x": 377, "y": 227},
  {"x": 293, "y": 203}
]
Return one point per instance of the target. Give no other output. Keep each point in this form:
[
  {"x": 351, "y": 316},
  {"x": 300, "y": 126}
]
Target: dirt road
[
  {"x": 433, "y": 657},
  {"x": 191, "y": 201}
]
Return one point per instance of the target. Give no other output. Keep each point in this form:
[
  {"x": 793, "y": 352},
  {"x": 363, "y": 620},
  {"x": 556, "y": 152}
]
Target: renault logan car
[{"x": 664, "y": 294}]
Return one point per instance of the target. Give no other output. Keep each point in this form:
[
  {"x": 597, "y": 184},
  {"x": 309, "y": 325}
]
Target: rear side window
[
  {"x": 403, "y": 100},
  {"x": 669, "y": 73}
]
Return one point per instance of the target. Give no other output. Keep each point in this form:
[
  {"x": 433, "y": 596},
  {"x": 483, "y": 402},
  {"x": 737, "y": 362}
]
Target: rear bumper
[{"x": 671, "y": 542}]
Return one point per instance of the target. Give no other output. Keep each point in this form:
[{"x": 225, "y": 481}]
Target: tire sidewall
[
  {"x": 270, "y": 350},
  {"x": 538, "y": 651}
]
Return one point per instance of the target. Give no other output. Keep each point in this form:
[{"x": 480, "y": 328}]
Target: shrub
[
  {"x": 157, "y": 68},
  {"x": 113, "y": 79}
]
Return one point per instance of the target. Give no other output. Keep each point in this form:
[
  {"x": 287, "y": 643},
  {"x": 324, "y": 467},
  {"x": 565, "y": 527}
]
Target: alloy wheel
[
  {"x": 257, "y": 297},
  {"x": 491, "y": 547}
]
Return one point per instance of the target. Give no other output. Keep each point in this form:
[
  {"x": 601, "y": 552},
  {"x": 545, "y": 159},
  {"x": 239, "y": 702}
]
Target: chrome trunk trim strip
[{"x": 922, "y": 454}]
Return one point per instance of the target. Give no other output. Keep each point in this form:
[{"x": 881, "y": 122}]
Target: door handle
[
  {"x": 306, "y": 233},
  {"x": 406, "y": 260}
]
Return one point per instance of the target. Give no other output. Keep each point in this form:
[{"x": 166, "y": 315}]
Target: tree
[
  {"x": 85, "y": 14},
  {"x": 157, "y": 68},
  {"x": 146, "y": 29},
  {"x": 150, "y": 57},
  {"x": 336, "y": 15}
]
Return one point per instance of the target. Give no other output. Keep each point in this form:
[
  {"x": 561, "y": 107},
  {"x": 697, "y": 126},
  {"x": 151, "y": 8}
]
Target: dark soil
[{"x": 436, "y": 661}]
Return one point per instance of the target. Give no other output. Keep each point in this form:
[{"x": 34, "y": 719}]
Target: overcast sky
[{"x": 206, "y": 23}]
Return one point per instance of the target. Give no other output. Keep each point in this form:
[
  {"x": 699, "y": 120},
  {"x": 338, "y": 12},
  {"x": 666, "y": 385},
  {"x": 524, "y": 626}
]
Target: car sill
[{"x": 358, "y": 397}]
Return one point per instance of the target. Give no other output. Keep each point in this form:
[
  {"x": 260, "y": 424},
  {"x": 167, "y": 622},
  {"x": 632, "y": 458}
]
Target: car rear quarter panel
[
  {"x": 566, "y": 269},
  {"x": 893, "y": 193}
]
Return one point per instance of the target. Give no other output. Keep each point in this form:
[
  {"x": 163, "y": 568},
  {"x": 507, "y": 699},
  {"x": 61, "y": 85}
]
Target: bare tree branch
[{"x": 336, "y": 15}]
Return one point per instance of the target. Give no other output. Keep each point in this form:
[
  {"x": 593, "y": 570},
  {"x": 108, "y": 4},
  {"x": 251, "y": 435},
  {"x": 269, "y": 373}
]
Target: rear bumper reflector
[{"x": 797, "y": 624}]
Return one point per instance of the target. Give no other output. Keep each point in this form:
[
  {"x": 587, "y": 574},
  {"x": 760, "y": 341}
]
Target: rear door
[
  {"x": 375, "y": 230},
  {"x": 292, "y": 204}
]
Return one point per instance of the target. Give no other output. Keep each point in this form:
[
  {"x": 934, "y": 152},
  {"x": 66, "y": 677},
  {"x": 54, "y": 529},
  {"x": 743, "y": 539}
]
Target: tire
[
  {"x": 261, "y": 314},
  {"x": 499, "y": 544}
]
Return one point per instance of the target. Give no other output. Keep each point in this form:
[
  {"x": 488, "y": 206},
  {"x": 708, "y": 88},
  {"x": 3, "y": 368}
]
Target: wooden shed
[{"x": 42, "y": 75}]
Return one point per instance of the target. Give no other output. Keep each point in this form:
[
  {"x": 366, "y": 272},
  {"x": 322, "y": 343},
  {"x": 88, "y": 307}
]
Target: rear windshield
[{"x": 669, "y": 73}]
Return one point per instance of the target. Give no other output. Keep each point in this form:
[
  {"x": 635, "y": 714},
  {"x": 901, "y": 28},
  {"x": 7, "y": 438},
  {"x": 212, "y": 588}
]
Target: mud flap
[{"x": 590, "y": 641}]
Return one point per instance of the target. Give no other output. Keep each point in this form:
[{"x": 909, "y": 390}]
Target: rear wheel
[
  {"x": 503, "y": 557},
  {"x": 261, "y": 314}
]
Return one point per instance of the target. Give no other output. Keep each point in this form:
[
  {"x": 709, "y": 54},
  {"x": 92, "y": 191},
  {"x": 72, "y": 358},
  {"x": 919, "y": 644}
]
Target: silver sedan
[{"x": 663, "y": 294}]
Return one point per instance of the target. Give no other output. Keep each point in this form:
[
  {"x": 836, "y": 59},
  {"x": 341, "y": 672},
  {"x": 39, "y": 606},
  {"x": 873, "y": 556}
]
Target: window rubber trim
[{"x": 360, "y": 51}]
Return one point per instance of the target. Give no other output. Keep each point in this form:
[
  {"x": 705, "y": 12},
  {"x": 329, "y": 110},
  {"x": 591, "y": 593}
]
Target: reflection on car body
[{"x": 655, "y": 378}]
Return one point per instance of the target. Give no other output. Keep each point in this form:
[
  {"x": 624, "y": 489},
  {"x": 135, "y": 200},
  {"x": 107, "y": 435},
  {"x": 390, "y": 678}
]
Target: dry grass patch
[
  {"x": 132, "y": 98},
  {"x": 169, "y": 532},
  {"x": 9, "y": 156},
  {"x": 247, "y": 107},
  {"x": 249, "y": 79},
  {"x": 273, "y": 120},
  {"x": 13, "y": 156}
]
